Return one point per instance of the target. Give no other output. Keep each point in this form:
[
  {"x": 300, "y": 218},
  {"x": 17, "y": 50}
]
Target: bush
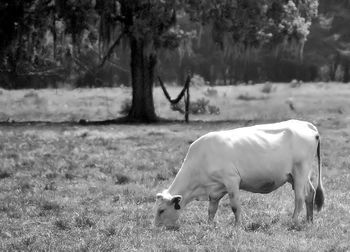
[
  {"x": 199, "y": 107},
  {"x": 126, "y": 106},
  {"x": 267, "y": 88},
  {"x": 211, "y": 92},
  {"x": 248, "y": 97},
  {"x": 197, "y": 81},
  {"x": 294, "y": 83},
  {"x": 213, "y": 110}
]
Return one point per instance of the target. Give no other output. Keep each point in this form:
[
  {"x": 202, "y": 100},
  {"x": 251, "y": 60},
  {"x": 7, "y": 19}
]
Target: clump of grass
[
  {"x": 51, "y": 175},
  {"x": 24, "y": 186},
  {"x": 12, "y": 210},
  {"x": 31, "y": 94},
  {"x": 27, "y": 241},
  {"x": 122, "y": 179},
  {"x": 248, "y": 97},
  {"x": 12, "y": 155},
  {"x": 62, "y": 224},
  {"x": 161, "y": 177},
  {"x": 156, "y": 133},
  {"x": 115, "y": 198},
  {"x": 110, "y": 231},
  {"x": 83, "y": 221},
  {"x": 257, "y": 226},
  {"x": 50, "y": 206},
  {"x": 4, "y": 174},
  {"x": 296, "y": 227},
  {"x": 69, "y": 176},
  {"x": 50, "y": 186},
  {"x": 141, "y": 199}
]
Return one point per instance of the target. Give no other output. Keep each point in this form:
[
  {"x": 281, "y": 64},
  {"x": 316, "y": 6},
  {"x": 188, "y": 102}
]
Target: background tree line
[
  {"x": 105, "y": 43},
  {"x": 45, "y": 43}
]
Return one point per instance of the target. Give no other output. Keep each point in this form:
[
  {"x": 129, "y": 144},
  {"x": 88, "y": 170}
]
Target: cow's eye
[{"x": 161, "y": 211}]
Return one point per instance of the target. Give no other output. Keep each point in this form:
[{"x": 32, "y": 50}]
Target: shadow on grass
[
  {"x": 258, "y": 227},
  {"x": 126, "y": 120}
]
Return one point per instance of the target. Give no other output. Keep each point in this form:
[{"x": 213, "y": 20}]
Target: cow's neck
[{"x": 186, "y": 185}]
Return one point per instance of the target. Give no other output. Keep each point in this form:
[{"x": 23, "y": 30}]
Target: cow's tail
[{"x": 319, "y": 197}]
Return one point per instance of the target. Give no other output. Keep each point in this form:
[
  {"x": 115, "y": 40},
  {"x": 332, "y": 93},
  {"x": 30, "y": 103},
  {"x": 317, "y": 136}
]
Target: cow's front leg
[{"x": 213, "y": 206}]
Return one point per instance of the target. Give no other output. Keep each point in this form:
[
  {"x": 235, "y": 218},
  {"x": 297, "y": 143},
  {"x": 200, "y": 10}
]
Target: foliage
[
  {"x": 211, "y": 92},
  {"x": 267, "y": 88},
  {"x": 213, "y": 110},
  {"x": 125, "y": 107},
  {"x": 200, "y": 106},
  {"x": 328, "y": 46},
  {"x": 294, "y": 83}
]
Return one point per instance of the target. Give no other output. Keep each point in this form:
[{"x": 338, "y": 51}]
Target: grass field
[{"x": 67, "y": 187}]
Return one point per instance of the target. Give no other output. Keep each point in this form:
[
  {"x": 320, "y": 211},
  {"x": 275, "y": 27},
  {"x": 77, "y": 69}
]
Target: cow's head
[{"x": 167, "y": 209}]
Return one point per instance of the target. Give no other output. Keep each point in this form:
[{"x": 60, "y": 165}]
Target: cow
[{"x": 257, "y": 159}]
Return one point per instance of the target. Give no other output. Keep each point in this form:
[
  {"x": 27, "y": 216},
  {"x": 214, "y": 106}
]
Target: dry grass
[
  {"x": 309, "y": 101},
  {"x": 93, "y": 188}
]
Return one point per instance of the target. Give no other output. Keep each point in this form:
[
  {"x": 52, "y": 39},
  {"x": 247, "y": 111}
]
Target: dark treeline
[{"x": 49, "y": 43}]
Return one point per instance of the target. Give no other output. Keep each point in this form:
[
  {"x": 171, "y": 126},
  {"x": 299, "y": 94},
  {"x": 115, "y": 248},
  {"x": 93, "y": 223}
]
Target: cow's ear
[
  {"x": 176, "y": 200},
  {"x": 159, "y": 196}
]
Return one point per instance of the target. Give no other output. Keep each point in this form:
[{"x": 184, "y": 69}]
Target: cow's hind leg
[
  {"x": 213, "y": 206},
  {"x": 300, "y": 180},
  {"x": 233, "y": 193},
  {"x": 309, "y": 201}
]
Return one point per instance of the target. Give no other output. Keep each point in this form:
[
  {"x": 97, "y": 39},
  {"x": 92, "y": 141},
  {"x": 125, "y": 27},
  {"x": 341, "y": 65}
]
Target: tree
[
  {"x": 35, "y": 44},
  {"x": 328, "y": 45},
  {"x": 148, "y": 27},
  {"x": 237, "y": 26}
]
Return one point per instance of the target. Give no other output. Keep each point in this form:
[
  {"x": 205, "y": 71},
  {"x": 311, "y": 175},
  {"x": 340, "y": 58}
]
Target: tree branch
[
  {"x": 110, "y": 50},
  {"x": 115, "y": 64}
]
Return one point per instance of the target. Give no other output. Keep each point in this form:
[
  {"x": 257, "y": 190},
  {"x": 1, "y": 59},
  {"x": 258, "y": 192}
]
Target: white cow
[{"x": 257, "y": 159}]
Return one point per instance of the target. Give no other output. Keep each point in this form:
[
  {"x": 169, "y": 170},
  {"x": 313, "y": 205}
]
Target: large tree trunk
[{"x": 142, "y": 75}]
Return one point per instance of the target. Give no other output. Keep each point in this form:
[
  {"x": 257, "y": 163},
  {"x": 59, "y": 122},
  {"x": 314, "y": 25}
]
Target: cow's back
[{"x": 262, "y": 155}]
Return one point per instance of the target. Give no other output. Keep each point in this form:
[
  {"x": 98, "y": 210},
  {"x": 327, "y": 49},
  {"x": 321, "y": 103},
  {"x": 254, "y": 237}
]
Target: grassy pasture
[
  {"x": 310, "y": 101},
  {"x": 75, "y": 188}
]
